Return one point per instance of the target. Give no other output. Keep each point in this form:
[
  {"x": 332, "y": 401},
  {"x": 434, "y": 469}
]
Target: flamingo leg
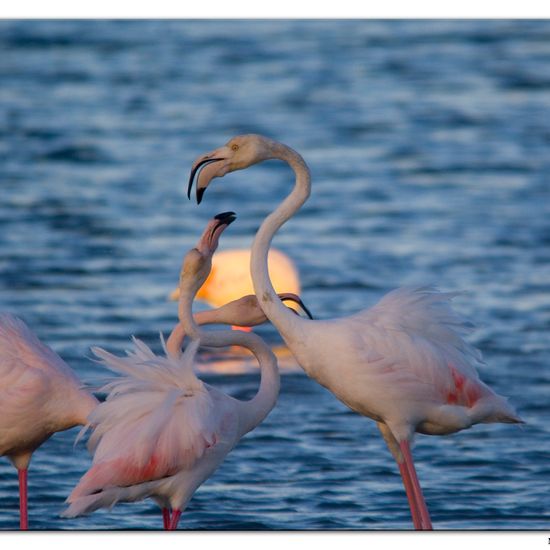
[
  {"x": 418, "y": 497},
  {"x": 166, "y": 518},
  {"x": 174, "y": 521},
  {"x": 393, "y": 446},
  {"x": 415, "y": 513},
  {"x": 23, "y": 515}
]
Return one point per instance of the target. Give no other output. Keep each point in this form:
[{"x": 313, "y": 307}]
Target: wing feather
[
  {"x": 158, "y": 419},
  {"x": 415, "y": 336}
]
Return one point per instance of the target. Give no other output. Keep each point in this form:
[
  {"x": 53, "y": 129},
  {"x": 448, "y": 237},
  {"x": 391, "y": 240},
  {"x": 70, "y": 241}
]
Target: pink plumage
[
  {"x": 160, "y": 432},
  {"x": 39, "y": 395},
  {"x": 403, "y": 362}
]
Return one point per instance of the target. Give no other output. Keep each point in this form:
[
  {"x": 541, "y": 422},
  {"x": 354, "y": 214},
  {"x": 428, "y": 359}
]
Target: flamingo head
[
  {"x": 238, "y": 153},
  {"x": 246, "y": 311},
  {"x": 197, "y": 263}
]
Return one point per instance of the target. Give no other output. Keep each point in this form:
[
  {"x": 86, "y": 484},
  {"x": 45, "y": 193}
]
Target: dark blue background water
[{"x": 429, "y": 145}]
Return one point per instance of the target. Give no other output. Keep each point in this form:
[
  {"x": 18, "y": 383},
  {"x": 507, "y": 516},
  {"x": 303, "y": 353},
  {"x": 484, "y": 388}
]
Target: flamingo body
[
  {"x": 39, "y": 395},
  {"x": 404, "y": 362},
  {"x": 160, "y": 433}
]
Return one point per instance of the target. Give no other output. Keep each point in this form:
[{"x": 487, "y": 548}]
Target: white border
[
  {"x": 283, "y": 9},
  {"x": 243, "y": 9},
  {"x": 275, "y": 540}
]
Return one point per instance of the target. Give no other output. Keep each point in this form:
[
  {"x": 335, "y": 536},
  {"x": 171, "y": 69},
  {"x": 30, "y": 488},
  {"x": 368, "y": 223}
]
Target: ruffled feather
[{"x": 158, "y": 419}]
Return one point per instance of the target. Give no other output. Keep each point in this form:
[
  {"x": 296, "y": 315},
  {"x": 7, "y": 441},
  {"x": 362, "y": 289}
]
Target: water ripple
[{"x": 429, "y": 150}]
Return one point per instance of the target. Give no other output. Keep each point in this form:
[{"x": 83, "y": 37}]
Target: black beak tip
[
  {"x": 200, "y": 193},
  {"x": 301, "y": 304},
  {"x": 308, "y": 313},
  {"x": 306, "y": 310},
  {"x": 226, "y": 217}
]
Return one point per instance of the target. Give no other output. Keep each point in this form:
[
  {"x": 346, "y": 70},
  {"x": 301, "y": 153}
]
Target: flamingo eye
[{"x": 234, "y": 147}]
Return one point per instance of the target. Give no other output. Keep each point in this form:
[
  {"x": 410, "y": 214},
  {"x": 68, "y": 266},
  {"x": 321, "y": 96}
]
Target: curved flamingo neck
[
  {"x": 255, "y": 410},
  {"x": 177, "y": 336},
  {"x": 284, "y": 320}
]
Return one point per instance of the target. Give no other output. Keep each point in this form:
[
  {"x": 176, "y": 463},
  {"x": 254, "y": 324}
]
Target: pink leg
[
  {"x": 174, "y": 521},
  {"x": 23, "y": 518},
  {"x": 425, "y": 520},
  {"x": 410, "y": 495},
  {"x": 166, "y": 518}
]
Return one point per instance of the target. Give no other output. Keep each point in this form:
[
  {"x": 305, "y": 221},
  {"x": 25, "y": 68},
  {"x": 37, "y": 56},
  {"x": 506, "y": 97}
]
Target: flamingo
[
  {"x": 39, "y": 395},
  {"x": 403, "y": 362},
  {"x": 161, "y": 431}
]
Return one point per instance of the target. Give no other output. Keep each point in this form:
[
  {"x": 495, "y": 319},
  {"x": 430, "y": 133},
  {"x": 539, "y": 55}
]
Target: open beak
[
  {"x": 289, "y": 297},
  {"x": 216, "y": 226},
  {"x": 210, "y": 166}
]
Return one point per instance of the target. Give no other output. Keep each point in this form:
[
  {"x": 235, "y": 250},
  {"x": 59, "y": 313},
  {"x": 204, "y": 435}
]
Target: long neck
[
  {"x": 286, "y": 322},
  {"x": 177, "y": 336},
  {"x": 251, "y": 412},
  {"x": 255, "y": 410},
  {"x": 185, "y": 308}
]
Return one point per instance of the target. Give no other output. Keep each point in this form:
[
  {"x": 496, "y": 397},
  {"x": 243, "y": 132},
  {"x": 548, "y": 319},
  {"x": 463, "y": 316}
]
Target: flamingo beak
[
  {"x": 225, "y": 219},
  {"x": 208, "y": 242},
  {"x": 208, "y": 167},
  {"x": 289, "y": 297}
]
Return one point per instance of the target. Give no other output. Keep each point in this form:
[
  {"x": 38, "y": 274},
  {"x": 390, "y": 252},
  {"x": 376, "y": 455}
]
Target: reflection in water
[{"x": 236, "y": 360}]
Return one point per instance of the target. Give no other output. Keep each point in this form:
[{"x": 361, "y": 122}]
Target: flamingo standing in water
[
  {"x": 39, "y": 395},
  {"x": 403, "y": 362},
  {"x": 162, "y": 432}
]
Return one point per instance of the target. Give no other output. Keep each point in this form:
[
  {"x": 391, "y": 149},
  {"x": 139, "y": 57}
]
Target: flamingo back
[
  {"x": 413, "y": 342},
  {"x": 425, "y": 321},
  {"x": 19, "y": 345}
]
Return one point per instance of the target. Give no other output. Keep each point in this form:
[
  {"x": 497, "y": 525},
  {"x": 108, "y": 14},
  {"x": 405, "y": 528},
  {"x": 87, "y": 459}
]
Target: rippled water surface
[{"x": 429, "y": 146}]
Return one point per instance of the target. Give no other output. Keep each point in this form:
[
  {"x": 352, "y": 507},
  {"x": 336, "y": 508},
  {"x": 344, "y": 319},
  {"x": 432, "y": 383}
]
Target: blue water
[{"x": 429, "y": 146}]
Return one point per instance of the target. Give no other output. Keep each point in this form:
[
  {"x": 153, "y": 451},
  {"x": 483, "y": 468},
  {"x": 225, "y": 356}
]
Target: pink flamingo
[
  {"x": 39, "y": 395},
  {"x": 162, "y": 432},
  {"x": 403, "y": 362}
]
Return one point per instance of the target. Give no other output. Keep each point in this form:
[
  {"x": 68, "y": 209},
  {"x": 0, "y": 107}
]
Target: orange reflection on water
[{"x": 237, "y": 360}]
